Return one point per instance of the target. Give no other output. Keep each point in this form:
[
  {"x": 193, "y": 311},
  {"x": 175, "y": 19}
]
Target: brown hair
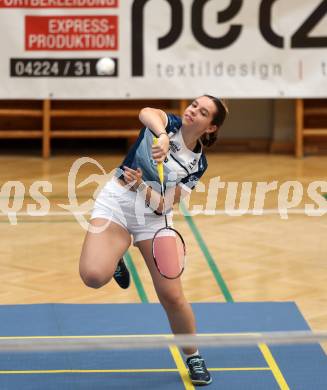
[{"x": 219, "y": 117}]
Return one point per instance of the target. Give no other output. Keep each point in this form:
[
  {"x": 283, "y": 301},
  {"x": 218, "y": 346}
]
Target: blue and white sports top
[{"x": 181, "y": 166}]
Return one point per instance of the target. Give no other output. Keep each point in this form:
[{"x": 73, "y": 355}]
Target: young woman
[{"x": 131, "y": 204}]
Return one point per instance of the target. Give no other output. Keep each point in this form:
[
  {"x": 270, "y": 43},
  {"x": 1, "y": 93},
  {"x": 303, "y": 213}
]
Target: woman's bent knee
[{"x": 93, "y": 278}]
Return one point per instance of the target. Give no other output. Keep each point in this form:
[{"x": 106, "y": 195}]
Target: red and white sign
[
  {"x": 58, "y": 3},
  {"x": 163, "y": 49},
  {"x": 71, "y": 33}
]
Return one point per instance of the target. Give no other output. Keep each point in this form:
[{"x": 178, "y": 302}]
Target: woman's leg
[
  {"x": 102, "y": 251},
  {"x": 171, "y": 296}
]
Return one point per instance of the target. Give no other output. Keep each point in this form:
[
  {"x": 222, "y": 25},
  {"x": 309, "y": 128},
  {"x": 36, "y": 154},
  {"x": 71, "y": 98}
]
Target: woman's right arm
[{"x": 156, "y": 120}]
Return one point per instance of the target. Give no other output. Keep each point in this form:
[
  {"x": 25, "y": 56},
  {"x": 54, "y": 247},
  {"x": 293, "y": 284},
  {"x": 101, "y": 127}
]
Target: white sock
[{"x": 196, "y": 353}]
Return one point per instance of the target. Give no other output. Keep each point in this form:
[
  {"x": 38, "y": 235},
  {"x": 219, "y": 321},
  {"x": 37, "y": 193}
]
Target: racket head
[{"x": 169, "y": 252}]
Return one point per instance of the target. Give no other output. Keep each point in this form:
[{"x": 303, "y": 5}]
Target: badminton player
[{"x": 130, "y": 204}]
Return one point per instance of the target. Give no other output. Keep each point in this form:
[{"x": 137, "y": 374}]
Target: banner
[{"x": 163, "y": 48}]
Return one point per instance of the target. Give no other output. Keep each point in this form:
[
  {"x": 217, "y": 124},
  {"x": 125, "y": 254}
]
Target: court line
[
  {"x": 73, "y": 371},
  {"x": 283, "y": 214},
  {"x": 181, "y": 368},
  {"x": 270, "y": 360},
  {"x": 273, "y": 366},
  {"x": 136, "y": 370},
  {"x": 230, "y": 212}
]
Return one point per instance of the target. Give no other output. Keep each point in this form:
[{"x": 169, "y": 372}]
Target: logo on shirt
[
  {"x": 192, "y": 164},
  {"x": 174, "y": 146}
]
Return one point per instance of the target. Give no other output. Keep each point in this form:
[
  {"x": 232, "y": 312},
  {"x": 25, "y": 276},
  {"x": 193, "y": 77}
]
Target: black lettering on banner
[
  {"x": 176, "y": 25},
  {"x": 301, "y": 38},
  {"x": 171, "y": 37},
  {"x": 265, "y": 24},
  {"x": 222, "y": 17},
  {"x": 57, "y": 67}
]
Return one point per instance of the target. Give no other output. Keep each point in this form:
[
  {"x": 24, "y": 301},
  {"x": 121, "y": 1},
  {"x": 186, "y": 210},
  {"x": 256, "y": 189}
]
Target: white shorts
[{"x": 128, "y": 209}]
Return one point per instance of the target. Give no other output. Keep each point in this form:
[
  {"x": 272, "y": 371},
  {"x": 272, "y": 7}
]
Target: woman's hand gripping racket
[{"x": 168, "y": 247}]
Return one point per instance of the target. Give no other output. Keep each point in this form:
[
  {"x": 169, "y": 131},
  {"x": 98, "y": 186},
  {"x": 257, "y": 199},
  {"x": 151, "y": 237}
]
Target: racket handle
[{"x": 159, "y": 164}]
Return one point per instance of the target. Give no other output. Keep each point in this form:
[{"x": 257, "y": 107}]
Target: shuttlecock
[{"x": 105, "y": 66}]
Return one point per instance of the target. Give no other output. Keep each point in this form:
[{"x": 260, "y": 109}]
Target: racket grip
[{"x": 159, "y": 164}]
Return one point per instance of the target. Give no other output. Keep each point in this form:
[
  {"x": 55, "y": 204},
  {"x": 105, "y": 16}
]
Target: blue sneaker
[
  {"x": 198, "y": 371},
  {"x": 121, "y": 274}
]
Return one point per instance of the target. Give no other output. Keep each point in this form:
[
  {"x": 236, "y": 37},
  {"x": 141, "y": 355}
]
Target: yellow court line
[
  {"x": 273, "y": 366},
  {"x": 239, "y": 369},
  {"x": 89, "y": 371},
  {"x": 181, "y": 368},
  {"x": 136, "y": 370}
]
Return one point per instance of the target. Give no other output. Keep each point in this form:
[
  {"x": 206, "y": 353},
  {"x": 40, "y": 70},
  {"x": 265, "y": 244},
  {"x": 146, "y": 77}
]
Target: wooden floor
[{"x": 261, "y": 258}]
